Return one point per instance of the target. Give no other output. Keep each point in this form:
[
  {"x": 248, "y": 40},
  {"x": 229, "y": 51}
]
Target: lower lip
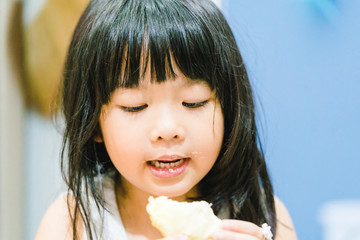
[{"x": 169, "y": 172}]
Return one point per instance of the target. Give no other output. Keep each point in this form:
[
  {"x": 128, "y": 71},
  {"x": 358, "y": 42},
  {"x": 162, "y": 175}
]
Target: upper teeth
[{"x": 160, "y": 164}]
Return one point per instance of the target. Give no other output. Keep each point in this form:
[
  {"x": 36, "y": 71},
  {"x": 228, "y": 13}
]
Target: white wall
[
  {"x": 43, "y": 178},
  {"x": 11, "y": 137}
]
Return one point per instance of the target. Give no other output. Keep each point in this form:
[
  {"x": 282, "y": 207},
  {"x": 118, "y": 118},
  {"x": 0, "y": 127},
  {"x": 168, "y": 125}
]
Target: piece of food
[{"x": 195, "y": 220}]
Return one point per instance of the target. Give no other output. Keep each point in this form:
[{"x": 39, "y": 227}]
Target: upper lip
[{"x": 169, "y": 157}]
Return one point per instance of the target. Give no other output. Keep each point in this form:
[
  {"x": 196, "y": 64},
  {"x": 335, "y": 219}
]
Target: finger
[
  {"x": 230, "y": 235},
  {"x": 242, "y": 227}
]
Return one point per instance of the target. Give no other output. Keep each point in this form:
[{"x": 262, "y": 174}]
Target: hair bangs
[{"x": 158, "y": 36}]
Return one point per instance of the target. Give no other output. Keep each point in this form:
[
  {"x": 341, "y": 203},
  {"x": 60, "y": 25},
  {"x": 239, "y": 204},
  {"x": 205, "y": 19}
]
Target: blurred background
[{"x": 303, "y": 58}]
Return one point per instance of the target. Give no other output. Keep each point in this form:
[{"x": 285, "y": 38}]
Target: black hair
[{"x": 112, "y": 43}]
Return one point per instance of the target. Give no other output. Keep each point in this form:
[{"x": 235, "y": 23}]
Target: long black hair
[{"x": 112, "y": 42}]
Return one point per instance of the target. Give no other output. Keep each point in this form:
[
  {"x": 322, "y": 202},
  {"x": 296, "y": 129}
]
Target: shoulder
[
  {"x": 56, "y": 222},
  {"x": 285, "y": 226}
]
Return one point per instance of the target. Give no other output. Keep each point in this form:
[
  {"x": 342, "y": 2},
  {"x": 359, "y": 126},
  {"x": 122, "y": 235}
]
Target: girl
[{"x": 157, "y": 102}]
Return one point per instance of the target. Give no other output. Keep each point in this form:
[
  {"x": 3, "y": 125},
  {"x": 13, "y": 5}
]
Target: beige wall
[{"x": 11, "y": 134}]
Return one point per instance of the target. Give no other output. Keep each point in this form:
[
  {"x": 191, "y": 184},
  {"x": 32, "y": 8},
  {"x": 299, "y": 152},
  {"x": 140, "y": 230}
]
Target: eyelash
[
  {"x": 134, "y": 109},
  {"x": 195, "y": 104},
  {"x": 185, "y": 104}
]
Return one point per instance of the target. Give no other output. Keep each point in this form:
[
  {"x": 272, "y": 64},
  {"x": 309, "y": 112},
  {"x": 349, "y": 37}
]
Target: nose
[{"x": 167, "y": 127}]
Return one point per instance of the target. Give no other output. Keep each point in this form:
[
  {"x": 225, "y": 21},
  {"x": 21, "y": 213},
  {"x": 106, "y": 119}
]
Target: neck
[{"x": 132, "y": 209}]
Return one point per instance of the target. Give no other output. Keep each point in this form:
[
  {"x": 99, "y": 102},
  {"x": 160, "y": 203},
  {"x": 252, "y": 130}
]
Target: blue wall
[{"x": 303, "y": 57}]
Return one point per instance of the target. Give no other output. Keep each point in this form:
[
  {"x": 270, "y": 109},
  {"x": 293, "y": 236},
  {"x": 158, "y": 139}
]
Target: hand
[{"x": 238, "y": 230}]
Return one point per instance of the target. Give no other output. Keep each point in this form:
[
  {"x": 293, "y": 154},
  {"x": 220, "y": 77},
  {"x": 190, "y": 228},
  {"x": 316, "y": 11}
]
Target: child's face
[{"x": 163, "y": 138}]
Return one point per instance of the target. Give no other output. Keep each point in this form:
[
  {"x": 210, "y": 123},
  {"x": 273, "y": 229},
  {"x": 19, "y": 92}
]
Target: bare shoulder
[
  {"x": 56, "y": 222},
  {"x": 285, "y": 226}
]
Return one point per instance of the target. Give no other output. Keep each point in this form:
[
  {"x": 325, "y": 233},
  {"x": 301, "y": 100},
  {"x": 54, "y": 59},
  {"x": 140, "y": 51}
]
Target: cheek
[
  {"x": 121, "y": 141},
  {"x": 209, "y": 133},
  {"x": 213, "y": 125}
]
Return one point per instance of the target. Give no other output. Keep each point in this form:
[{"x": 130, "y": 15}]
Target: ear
[
  {"x": 98, "y": 138},
  {"x": 97, "y": 135}
]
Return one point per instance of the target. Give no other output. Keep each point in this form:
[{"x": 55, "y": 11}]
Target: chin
[{"x": 175, "y": 192}]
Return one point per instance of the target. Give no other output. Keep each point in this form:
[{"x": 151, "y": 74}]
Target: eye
[
  {"x": 134, "y": 109},
  {"x": 195, "y": 104}
]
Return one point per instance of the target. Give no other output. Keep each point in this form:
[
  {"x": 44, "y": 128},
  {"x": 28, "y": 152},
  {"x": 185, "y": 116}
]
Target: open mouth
[
  {"x": 168, "y": 168},
  {"x": 167, "y": 164}
]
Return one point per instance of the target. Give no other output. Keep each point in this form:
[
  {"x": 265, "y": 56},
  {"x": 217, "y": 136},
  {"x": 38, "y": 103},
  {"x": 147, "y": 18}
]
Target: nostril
[{"x": 174, "y": 137}]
